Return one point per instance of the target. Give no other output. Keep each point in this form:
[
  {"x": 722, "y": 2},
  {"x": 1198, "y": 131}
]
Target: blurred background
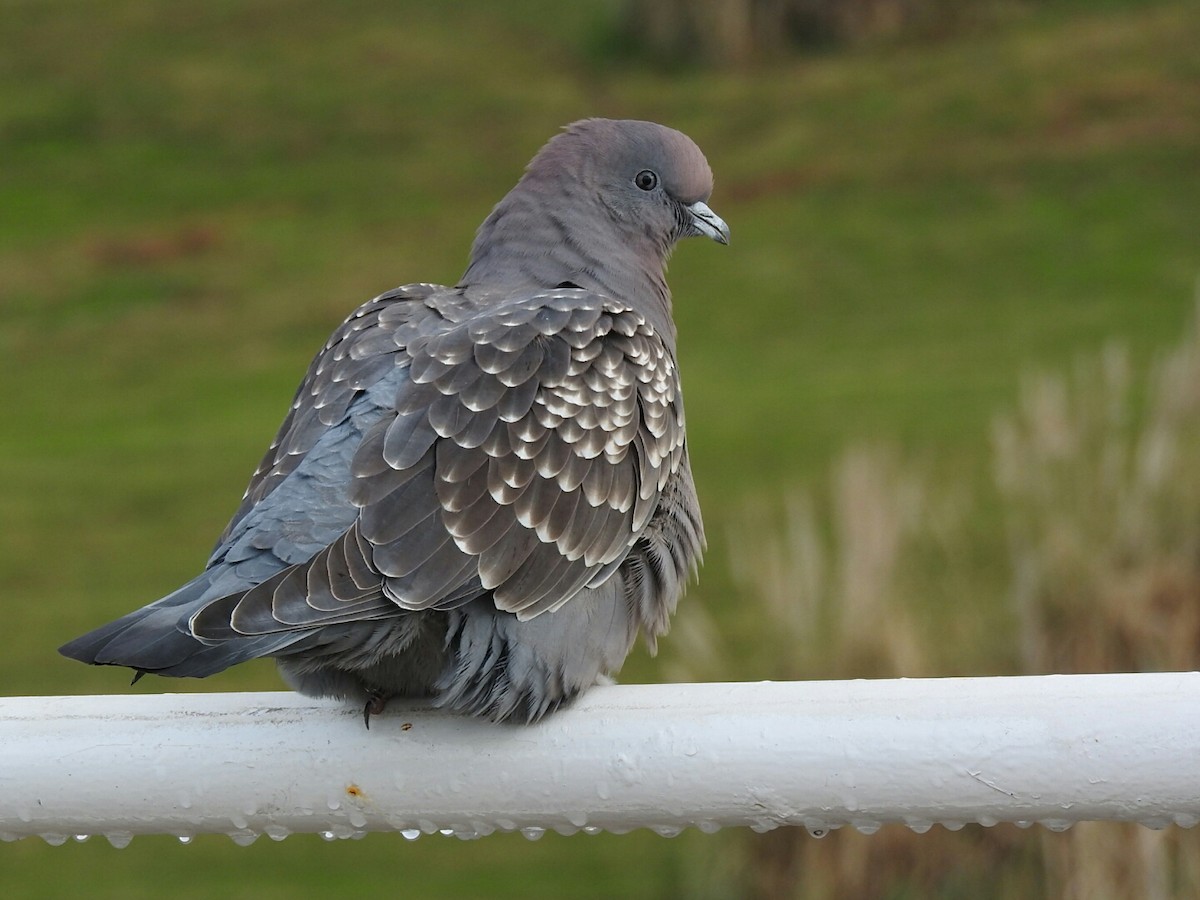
[{"x": 943, "y": 387}]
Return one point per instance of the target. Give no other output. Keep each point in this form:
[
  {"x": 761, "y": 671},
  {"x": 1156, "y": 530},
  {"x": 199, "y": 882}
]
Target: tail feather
[{"x": 155, "y": 639}]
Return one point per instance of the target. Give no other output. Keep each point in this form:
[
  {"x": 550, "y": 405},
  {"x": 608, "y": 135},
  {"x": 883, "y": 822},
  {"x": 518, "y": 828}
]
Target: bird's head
[
  {"x": 651, "y": 179},
  {"x": 602, "y": 202}
]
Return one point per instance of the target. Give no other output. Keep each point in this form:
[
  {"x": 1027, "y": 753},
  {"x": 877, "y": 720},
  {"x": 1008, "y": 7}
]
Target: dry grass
[
  {"x": 825, "y": 596},
  {"x": 1102, "y": 494},
  {"x": 1097, "y": 477}
]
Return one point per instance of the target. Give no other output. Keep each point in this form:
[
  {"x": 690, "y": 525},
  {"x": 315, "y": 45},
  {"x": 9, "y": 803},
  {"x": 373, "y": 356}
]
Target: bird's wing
[
  {"x": 524, "y": 453},
  {"x": 359, "y": 353}
]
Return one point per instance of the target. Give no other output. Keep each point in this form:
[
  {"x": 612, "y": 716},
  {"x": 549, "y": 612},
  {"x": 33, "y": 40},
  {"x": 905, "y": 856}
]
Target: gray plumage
[{"x": 482, "y": 492}]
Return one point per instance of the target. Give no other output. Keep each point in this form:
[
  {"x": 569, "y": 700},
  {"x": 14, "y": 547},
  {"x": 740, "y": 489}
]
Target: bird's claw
[{"x": 375, "y": 705}]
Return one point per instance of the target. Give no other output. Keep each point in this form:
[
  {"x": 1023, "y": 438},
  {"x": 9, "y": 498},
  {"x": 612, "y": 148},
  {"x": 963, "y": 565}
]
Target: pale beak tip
[{"x": 708, "y": 223}]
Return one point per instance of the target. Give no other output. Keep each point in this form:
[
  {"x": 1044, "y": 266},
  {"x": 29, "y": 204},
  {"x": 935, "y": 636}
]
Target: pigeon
[{"x": 481, "y": 494}]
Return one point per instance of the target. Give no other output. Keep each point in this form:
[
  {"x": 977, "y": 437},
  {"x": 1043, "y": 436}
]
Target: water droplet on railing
[
  {"x": 953, "y": 825},
  {"x": 1057, "y": 824},
  {"x": 482, "y": 829},
  {"x": 54, "y": 839},
  {"x": 667, "y": 831},
  {"x": 1183, "y": 820},
  {"x": 531, "y": 833},
  {"x": 1156, "y": 823},
  {"x": 327, "y": 835},
  {"x": 592, "y": 829},
  {"x": 708, "y": 827},
  {"x": 243, "y": 838},
  {"x": 818, "y": 828},
  {"x": 276, "y": 832},
  {"x": 410, "y": 834},
  {"x": 82, "y": 837},
  {"x": 185, "y": 838},
  {"x": 866, "y": 826},
  {"x": 920, "y": 826},
  {"x": 119, "y": 839}
]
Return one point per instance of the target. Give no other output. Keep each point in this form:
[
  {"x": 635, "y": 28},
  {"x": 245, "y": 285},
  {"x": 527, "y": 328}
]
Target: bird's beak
[{"x": 707, "y": 223}]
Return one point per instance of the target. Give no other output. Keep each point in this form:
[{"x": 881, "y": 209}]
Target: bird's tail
[{"x": 155, "y": 639}]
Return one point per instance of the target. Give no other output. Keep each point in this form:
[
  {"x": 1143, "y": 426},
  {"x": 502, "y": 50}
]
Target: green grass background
[{"x": 193, "y": 195}]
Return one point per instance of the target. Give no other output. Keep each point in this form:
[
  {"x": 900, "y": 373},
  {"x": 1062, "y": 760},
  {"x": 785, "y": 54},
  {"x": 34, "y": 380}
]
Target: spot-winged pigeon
[{"x": 481, "y": 492}]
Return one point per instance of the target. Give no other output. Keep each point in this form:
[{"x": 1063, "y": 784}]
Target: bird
[{"x": 481, "y": 493}]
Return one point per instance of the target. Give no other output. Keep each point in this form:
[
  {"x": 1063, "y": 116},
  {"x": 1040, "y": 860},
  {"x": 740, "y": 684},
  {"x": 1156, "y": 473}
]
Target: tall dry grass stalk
[
  {"x": 1097, "y": 474},
  {"x": 1103, "y": 515},
  {"x": 826, "y": 578},
  {"x": 1101, "y": 490},
  {"x": 829, "y": 577}
]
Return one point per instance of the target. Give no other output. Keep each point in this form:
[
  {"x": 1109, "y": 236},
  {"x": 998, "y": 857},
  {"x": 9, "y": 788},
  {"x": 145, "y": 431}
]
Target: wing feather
[{"x": 524, "y": 452}]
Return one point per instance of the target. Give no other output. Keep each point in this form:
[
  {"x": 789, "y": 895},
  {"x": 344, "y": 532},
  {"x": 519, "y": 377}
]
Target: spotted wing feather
[{"x": 523, "y": 454}]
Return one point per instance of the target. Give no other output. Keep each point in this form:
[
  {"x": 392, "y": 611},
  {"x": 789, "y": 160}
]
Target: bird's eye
[{"x": 646, "y": 180}]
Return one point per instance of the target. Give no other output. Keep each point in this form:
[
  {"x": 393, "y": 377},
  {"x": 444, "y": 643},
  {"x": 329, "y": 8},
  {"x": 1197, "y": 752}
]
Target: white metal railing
[{"x": 1052, "y": 749}]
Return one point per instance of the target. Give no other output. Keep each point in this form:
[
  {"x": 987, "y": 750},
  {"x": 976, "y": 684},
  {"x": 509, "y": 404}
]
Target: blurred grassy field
[{"x": 192, "y": 196}]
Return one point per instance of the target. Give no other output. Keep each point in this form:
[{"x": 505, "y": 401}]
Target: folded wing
[{"x": 524, "y": 451}]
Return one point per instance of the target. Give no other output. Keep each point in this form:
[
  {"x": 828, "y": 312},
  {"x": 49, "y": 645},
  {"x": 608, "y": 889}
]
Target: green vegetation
[{"x": 192, "y": 196}]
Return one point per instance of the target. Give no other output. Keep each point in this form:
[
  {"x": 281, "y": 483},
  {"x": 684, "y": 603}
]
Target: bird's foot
[{"x": 375, "y": 705}]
